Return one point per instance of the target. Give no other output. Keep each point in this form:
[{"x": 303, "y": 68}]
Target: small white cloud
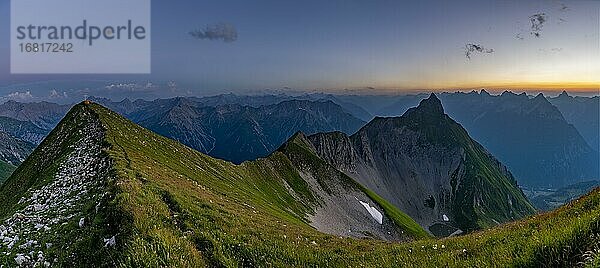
[
  {"x": 57, "y": 95},
  {"x": 19, "y": 96}
]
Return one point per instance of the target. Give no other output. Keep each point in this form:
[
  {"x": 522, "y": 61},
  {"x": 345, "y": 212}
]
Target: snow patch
[{"x": 373, "y": 211}]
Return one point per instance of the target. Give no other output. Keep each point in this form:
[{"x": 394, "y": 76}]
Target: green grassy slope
[{"x": 171, "y": 206}]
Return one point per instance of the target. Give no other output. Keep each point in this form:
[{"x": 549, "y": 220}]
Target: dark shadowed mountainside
[
  {"x": 529, "y": 135},
  {"x": 239, "y": 133},
  {"x": 44, "y": 115},
  {"x": 427, "y": 165},
  {"x": 5, "y": 170},
  {"x": 583, "y": 113},
  {"x": 12, "y": 150},
  {"x": 23, "y": 130}
]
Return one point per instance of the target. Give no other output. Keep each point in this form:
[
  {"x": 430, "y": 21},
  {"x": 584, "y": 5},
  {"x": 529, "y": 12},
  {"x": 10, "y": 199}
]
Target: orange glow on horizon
[
  {"x": 585, "y": 88},
  {"x": 545, "y": 86}
]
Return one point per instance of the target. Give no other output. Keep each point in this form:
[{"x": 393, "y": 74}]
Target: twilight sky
[{"x": 387, "y": 45}]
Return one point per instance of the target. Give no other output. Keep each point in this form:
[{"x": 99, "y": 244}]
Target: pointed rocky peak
[
  {"x": 483, "y": 92},
  {"x": 541, "y": 98},
  {"x": 431, "y": 105},
  {"x": 564, "y": 94},
  {"x": 510, "y": 94},
  {"x": 299, "y": 139},
  {"x": 298, "y": 136},
  {"x": 182, "y": 103},
  {"x": 429, "y": 110},
  {"x": 513, "y": 96}
]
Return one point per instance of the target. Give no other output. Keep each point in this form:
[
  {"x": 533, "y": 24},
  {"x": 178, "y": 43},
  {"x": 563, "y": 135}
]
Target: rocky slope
[
  {"x": 55, "y": 204},
  {"x": 426, "y": 164}
]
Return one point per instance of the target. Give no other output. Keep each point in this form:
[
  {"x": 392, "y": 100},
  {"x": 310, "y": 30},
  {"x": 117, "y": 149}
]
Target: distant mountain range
[
  {"x": 530, "y": 135},
  {"x": 219, "y": 126},
  {"x": 239, "y": 133},
  {"x": 583, "y": 113},
  {"x": 44, "y": 115}
]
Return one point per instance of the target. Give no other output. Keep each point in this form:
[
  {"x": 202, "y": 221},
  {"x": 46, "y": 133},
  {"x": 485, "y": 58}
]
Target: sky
[{"x": 381, "y": 46}]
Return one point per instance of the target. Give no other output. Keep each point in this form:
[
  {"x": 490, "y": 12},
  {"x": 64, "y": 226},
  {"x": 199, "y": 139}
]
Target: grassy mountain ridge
[{"x": 155, "y": 202}]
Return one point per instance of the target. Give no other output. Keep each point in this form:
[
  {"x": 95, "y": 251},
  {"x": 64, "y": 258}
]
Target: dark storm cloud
[
  {"x": 471, "y": 48},
  {"x": 221, "y": 31}
]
